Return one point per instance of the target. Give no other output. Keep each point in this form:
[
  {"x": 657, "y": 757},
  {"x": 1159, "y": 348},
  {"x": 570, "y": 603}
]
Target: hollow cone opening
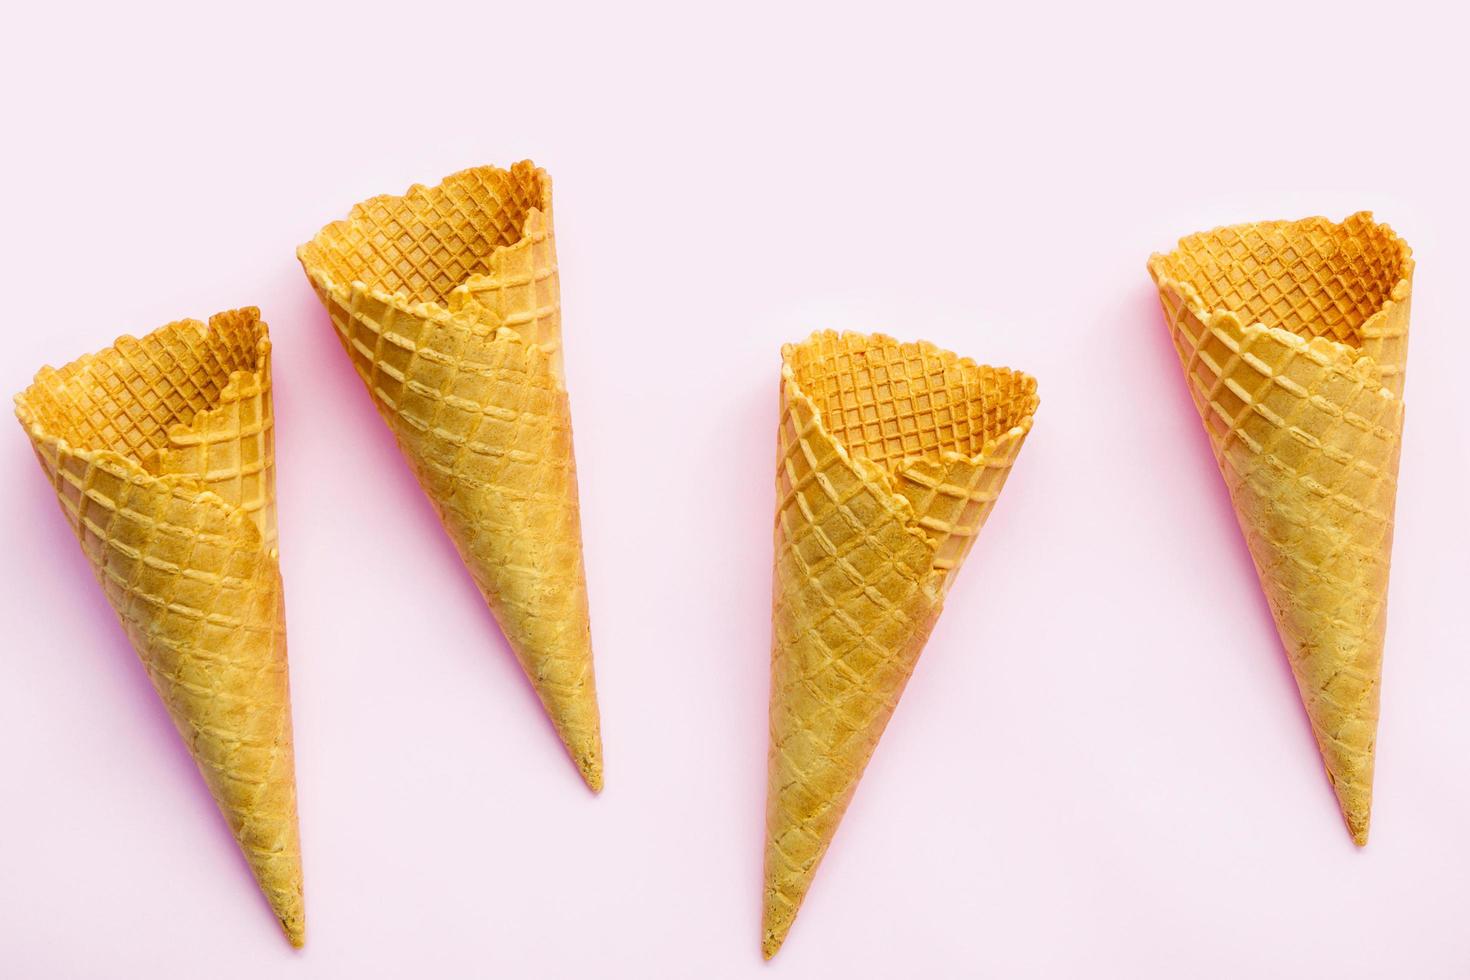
[
  {"x": 430, "y": 240},
  {"x": 1314, "y": 277},
  {"x": 887, "y": 401},
  {"x": 97, "y": 402}
]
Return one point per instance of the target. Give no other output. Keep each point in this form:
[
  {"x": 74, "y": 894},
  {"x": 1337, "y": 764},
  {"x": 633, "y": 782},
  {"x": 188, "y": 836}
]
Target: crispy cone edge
[
  {"x": 165, "y": 474},
  {"x": 919, "y": 545},
  {"x": 477, "y": 307},
  {"x": 1375, "y": 360}
]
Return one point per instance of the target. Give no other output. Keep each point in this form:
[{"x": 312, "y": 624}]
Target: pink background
[{"x": 1101, "y": 767}]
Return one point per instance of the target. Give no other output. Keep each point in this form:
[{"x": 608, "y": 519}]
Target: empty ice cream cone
[
  {"x": 891, "y": 456},
  {"x": 1293, "y": 337},
  {"x": 447, "y": 301},
  {"x": 161, "y": 452}
]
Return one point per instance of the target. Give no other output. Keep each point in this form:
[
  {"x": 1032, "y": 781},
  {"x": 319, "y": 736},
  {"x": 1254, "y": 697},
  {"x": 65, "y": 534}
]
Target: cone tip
[
  {"x": 774, "y": 928},
  {"x": 282, "y": 889},
  {"x": 591, "y": 769},
  {"x": 295, "y": 929},
  {"x": 585, "y": 749},
  {"x": 577, "y": 724},
  {"x": 280, "y": 883},
  {"x": 1357, "y": 808}
]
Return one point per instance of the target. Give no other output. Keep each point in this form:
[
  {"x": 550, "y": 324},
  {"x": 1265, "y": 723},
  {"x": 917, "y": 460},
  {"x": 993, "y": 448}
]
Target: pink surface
[{"x": 1101, "y": 767}]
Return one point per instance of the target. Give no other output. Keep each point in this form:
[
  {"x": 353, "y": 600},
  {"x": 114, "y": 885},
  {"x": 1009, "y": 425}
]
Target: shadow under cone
[
  {"x": 891, "y": 457},
  {"x": 448, "y": 303},
  {"x": 1293, "y": 338},
  {"x": 161, "y": 452}
]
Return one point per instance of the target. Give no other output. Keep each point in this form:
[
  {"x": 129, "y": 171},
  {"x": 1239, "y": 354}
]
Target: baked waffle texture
[
  {"x": 447, "y": 301},
  {"x": 891, "y": 456},
  {"x": 1293, "y": 337},
  {"x": 161, "y": 452}
]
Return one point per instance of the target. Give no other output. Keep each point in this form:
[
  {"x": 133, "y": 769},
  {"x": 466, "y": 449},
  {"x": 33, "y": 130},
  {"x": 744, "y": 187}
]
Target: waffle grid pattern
[
  {"x": 186, "y": 567},
  {"x": 522, "y": 290},
  {"x": 857, "y": 584},
  {"x": 1314, "y": 278},
  {"x": 427, "y": 242},
  {"x": 230, "y": 448},
  {"x": 477, "y": 405},
  {"x": 946, "y": 429},
  {"x": 1307, "y": 438}
]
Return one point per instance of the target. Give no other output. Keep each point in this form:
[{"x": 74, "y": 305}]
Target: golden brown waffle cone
[
  {"x": 162, "y": 455},
  {"x": 891, "y": 457},
  {"x": 447, "y": 301},
  {"x": 1293, "y": 338}
]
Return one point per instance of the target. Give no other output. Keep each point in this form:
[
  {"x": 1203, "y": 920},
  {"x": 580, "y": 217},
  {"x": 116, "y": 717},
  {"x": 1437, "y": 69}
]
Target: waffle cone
[
  {"x": 891, "y": 457},
  {"x": 1293, "y": 338},
  {"x": 162, "y": 456},
  {"x": 447, "y": 301}
]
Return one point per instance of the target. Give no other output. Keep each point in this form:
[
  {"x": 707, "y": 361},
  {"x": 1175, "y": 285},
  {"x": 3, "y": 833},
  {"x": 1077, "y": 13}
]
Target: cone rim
[
  {"x": 883, "y": 477},
  {"x": 130, "y": 465},
  {"x": 1211, "y": 316},
  {"x": 428, "y": 309},
  {"x": 987, "y": 449}
]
